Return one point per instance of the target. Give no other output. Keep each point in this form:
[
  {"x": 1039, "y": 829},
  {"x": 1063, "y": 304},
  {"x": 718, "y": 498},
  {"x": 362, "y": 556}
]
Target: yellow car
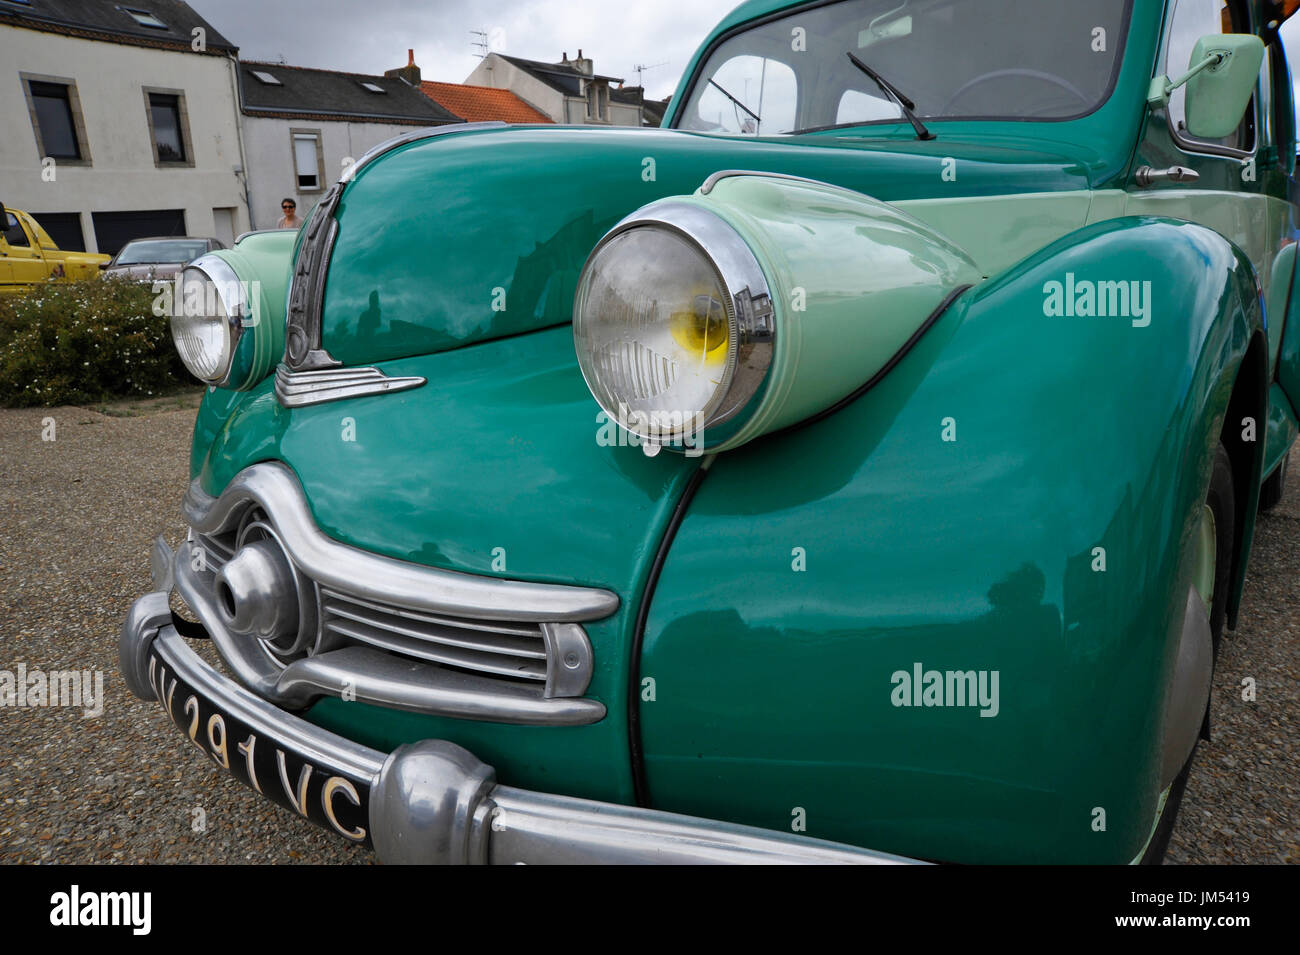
[{"x": 29, "y": 257}]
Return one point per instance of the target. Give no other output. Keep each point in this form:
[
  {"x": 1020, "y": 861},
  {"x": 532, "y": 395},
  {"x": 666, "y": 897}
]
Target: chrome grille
[
  {"x": 372, "y": 628},
  {"x": 502, "y": 649}
]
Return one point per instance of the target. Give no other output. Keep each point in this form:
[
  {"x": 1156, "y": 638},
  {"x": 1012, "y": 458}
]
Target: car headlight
[
  {"x": 702, "y": 322},
  {"x": 208, "y": 315},
  {"x": 228, "y": 311},
  {"x": 673, "y": 323}
]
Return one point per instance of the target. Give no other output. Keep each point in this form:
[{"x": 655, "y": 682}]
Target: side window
[
  {"x": 858, "y": 107},
  {"x": 1192, "y": 20},
  {"x": 751, "y": 95},
  {"x": 308, "y": 161},
  {"x": 14, "y": 233}
]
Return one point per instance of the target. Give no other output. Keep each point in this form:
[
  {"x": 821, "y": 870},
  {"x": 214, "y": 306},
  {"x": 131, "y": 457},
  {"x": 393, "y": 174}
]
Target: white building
[
  {"x": 302, "y": 125},
  {"x": 119, "y": 122},
  {"x": 569, "y": 92}
]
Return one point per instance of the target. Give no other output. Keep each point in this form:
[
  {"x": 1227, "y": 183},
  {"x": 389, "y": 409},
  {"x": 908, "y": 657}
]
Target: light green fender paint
[
  {"x": 262, "y": 260},
  {"x": 1282, "y": 429},
  {"x": 851, "y": 279},
  {"x": 1287, "y": 369},
  {"x": 1281, "y": 281},
  {"x": 951, "y": 519},
  {"x": 496, "y": 456}
]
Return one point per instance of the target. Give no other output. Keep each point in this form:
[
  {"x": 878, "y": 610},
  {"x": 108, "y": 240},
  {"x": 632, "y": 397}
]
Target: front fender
[{"x": 1016, "y": 499}]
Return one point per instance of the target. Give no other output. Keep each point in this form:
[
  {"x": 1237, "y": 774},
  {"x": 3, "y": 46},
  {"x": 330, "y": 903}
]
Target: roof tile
[{"x": 480, "y": 103}]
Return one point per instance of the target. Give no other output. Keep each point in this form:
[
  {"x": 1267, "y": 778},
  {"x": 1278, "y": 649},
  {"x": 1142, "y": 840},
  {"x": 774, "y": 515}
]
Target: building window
[
  {"x": 55, "y": 111},
  {"x": 168, "y": 127},
  {"x": 308, "y": 164}
]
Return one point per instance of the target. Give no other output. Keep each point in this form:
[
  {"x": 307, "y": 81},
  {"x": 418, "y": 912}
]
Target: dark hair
[{"x": 290, "y": 201}]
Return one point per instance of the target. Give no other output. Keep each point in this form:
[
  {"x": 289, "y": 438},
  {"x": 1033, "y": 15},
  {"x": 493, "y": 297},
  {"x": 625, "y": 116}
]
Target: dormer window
[
  {"x": 145, "y": 18},
  {"x": 597, "y": 102}
]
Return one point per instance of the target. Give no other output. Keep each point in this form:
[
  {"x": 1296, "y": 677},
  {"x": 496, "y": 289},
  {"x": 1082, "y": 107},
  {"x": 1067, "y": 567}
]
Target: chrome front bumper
[{"x": 432, "y": 801}]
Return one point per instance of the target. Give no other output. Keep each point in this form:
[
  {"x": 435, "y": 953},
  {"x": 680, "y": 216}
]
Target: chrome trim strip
[
  {"x": 302, "y": 333},
  {"x": 401, "y": 684},
  {"x": 298, "y": 389},
  {"x": 275, "y": 488},
  {"x": 303, "y": 350},
  {"x": 371, "y": 676},
  {"x": 540, "y": 828}
]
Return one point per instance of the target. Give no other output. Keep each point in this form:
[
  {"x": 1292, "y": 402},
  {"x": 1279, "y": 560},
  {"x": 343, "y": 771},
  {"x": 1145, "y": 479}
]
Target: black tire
[
  {"x": 1223, "y": 505},
  {"x": 1270, "y": 492}
]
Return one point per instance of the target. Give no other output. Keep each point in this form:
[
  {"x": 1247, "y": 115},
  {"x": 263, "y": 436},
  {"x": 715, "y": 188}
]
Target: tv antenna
[
  {"x": 481, "y": 43},
  {"x": 642, "y": 67}
]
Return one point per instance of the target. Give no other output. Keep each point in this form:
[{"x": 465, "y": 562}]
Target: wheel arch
[{"x": 1248, "y": 402}]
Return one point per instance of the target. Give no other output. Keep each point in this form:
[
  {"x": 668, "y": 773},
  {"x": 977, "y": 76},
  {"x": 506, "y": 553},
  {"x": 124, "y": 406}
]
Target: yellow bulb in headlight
[{"x": 702, "y": 327}]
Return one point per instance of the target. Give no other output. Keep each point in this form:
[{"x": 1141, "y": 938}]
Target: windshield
[
  {"x": 954, "y": 59},
  {"x": 139, "y": 253}
]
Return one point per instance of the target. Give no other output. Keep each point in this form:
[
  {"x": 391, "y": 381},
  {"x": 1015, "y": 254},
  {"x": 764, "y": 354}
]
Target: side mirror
[{"x": 1218, "y": 95}]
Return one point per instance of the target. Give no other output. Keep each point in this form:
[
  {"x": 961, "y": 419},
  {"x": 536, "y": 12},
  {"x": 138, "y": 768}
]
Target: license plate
[{"x": 329, "y": 796}]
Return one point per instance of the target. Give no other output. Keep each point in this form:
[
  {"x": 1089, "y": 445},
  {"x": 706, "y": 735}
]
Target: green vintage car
[{"x": 863, "y": 467}]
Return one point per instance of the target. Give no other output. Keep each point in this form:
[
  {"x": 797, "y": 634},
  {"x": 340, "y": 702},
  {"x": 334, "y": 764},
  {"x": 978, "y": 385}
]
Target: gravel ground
[
  {"x": 126, "y": 787},
  {"x": 123, "y": 787}
]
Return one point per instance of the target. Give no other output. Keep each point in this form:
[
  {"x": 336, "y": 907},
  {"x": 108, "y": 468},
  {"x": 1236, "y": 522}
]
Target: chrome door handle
[{"x": 1146, "y": 176}]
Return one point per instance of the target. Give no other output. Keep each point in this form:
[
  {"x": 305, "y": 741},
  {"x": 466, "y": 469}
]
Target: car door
[
  {"x": 24, "y": 264},
  {"x": 1241, "y": 190}
]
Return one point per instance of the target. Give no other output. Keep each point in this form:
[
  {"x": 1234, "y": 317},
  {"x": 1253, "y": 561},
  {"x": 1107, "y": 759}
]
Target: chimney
[
  {"x": 582, "y": 65},
  {"x": 409, "y": 74}
]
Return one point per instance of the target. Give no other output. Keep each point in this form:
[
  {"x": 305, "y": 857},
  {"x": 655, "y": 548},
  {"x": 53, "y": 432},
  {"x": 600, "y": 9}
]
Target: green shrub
[{"x": 85, "y": 342}]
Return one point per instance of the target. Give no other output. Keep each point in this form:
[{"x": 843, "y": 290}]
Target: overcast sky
[{"x": 371, "y": 36}]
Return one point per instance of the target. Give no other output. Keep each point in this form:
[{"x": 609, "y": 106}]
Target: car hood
[{"x": 481, "y": 233}]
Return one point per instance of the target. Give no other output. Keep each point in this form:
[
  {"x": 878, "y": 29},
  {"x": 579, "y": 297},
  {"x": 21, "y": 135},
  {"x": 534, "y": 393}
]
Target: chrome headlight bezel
[
  {"x": 222, "y": 288},
  {"x": 748, "y": 304}
]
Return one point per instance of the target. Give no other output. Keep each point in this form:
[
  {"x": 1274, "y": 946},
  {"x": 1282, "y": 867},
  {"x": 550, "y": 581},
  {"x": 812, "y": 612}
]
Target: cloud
[{"x": 374, "y": 36}]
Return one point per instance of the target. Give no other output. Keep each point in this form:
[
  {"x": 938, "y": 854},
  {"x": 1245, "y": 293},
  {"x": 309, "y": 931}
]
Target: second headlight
[{"x": 207, "y": 318}]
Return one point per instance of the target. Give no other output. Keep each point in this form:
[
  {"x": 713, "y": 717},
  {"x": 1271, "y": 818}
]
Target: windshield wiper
[
  {"x": 757, "y": 118},
  {"x": 905, "y": 104}
]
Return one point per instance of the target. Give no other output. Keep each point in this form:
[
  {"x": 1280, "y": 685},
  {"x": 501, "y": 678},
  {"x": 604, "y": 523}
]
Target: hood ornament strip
[
  {"x": 303, "y": 350},
  {"x": 297, "y": 389}
]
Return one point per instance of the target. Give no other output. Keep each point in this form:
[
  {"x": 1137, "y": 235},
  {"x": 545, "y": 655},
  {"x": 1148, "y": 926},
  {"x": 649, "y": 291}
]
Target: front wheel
[{"x": 1210, "y": 577}]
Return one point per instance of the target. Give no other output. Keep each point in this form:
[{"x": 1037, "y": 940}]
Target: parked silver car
[{"x": 158, "y": 258}]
